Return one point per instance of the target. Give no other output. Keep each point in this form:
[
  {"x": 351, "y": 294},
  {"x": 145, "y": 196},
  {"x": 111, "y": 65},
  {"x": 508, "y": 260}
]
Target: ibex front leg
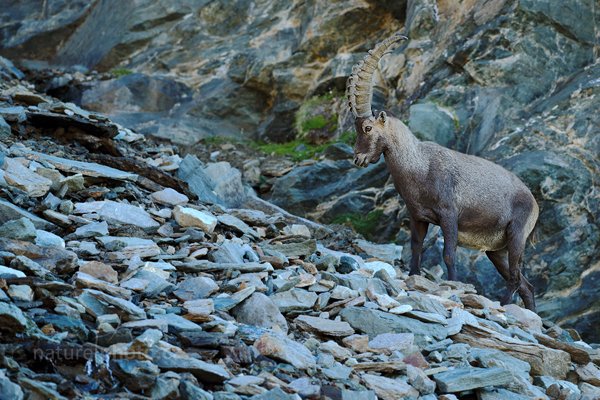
[
  {"x": 418, "y": 231},
  {"x": 449, "y": 225}
]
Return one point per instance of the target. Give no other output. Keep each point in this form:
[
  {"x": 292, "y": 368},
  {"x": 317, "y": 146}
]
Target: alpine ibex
[{"x": 477, "y": 204}]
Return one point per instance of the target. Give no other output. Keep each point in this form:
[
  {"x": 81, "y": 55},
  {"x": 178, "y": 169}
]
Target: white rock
[
  {"x": 128, "y": 247},
  {"x": 190, "y": 217},
  {"x": 343, "y": 292},
  {"x": 6, "y": 272},
  {"x": 18, "y": 175},
  {"x": 48, "y": 239},
  {"x": 281, "y": 348},
  {"x": 389, "y": 342},
  {"x": 118, "y": 213},
  {"x": 375, "y": 266},
  {"x": 170, "y": 197},
  {"x": 389, "y": 389},
  {"x": 386, "y": 301},
  {"x": 20, "y": 293},
  {"x": 297, "y": 230},
  {"x": 340, "y": 353},
  {"x": 92, "y": 229},
  {"x": 526, "y": 318},
  {"x": 401, "y": 309}
]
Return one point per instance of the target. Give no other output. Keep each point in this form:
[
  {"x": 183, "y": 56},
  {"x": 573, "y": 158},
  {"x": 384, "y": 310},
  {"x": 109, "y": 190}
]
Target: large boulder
[{"x": 304, "y": 188}]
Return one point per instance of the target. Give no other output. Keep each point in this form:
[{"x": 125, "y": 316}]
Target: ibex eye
[{"x": 368, "y": 128}]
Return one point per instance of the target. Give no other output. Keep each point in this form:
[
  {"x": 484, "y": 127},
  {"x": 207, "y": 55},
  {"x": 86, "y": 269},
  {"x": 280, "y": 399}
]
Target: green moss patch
[
  {"x": 297, "y": 149},
  {"x": 316, "y": 120},
  {"x": 366, "y": 225},
  {"x": 120, "y": 72}
]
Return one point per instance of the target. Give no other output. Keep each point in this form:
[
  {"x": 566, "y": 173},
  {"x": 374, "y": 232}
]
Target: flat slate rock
[
  {"x": 9, "y": 212},
  {"x": 390, "y": 389},
  {"x": 281, "y": 348},
  {"x": 8, "y": 389},
  {"x": 500, "y": 394},
  {"x": 259, "y": 310},
  {"x": 385, "y": 252},
  {"x": 21, "y": 177},
  {"x": 294, "y": 300},
  {"x": 178, "y": 322},
  {"x": 468, "y": 378},
  {"x": 119, "y": 213},
  {"x": 195, "y": 287},
  {"x": 294, "y": 249},
  {"x": 208, "y": 266},
  {"x": 76, "y": 167},
  {"x": 375, "y": 322},
  {"x": 324, "y": 326},
  {"x": 543, "y": 360},
  {"x": 126, "y": 309},
  {"x": 12, "y": 319},
  {"x": 51, "y": 258},
  {"x": 19, "y": 229},
  {"x": 171, "y": 358}
]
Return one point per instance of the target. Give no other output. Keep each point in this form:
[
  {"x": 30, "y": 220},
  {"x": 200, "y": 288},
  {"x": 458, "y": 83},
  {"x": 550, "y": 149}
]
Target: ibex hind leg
[
  {"x": 499, "y": 259},
  {"x": 418, "y": 231}
]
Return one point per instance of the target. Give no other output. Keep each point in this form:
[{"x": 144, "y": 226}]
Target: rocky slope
[
  {"x": 513, "y": 80},
  {"x": 127, "y": 271}
]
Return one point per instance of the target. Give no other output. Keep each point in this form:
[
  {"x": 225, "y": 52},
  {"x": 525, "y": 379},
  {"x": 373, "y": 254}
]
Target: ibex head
[{"x": 370, "y": 130}]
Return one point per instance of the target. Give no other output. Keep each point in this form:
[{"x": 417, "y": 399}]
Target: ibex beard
[{"x": 476, "y": 203}]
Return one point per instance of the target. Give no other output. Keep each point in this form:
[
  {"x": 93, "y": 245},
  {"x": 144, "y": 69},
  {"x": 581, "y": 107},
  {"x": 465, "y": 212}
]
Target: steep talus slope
[
  {"x": 514, "y": 81},
  {"x": 130, "y": 271}
]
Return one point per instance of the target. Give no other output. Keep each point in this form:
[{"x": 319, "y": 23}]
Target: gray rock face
[
  {"x": 432, "y": 123},
  {"x": 324, "y": 326},
  {"x": 196, "y": 288},
  {"x": 214, "y": 183},
  {"x": 259, "y": 310},
  {"x": 137, "y": 375},
  {"x": 390, "y": 389},
  {"x": 8, "y": 389},
  {"x": 12, "y": 319},
  {"x": 294, "y": 300},
  {"x": 10, "y": 212},
  {"x": 171, "y": 358},
  {"x": 282, "y": 348},
  {"x": 461, "y": 379},
  {"x": 19, "y": 229},
  {"x": 304, "y": 188},
  {"x": 118, "y": 213}
]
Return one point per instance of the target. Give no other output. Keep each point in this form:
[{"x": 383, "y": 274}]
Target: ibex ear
[{"x": 382, "y": 117}]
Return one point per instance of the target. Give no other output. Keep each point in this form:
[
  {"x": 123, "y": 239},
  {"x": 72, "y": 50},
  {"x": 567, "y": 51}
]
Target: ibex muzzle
[{"x": 477, "y": 204}]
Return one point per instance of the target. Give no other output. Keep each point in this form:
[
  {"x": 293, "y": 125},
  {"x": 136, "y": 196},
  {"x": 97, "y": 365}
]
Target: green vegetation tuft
[
  {"x": 366, "y": 225},
  {"x": 316, "y": 122},
  {"x": 120, "y": 72},
  {"x": 299, "y": 149},
  {"x": 348, "y": 137},
  {"x": 310, "y": 116}
]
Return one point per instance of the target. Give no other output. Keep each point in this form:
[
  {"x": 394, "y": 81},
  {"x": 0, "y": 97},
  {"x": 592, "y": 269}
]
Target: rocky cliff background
[{"x": 516, "y": 82}]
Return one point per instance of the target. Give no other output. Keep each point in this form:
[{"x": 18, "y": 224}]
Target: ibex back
[{"x": 477, "y": 204}]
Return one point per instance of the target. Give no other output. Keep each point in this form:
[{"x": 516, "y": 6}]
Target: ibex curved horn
[{"x": 359, "y": 88}]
